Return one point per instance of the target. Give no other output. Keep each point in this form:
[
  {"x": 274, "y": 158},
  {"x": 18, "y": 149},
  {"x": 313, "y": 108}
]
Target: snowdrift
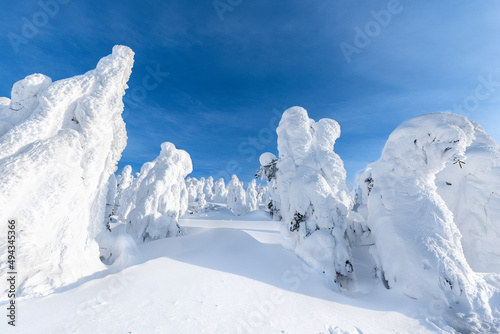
[
  {"x": 59, "y": 143},
  {"x": 417, "y": 239}
]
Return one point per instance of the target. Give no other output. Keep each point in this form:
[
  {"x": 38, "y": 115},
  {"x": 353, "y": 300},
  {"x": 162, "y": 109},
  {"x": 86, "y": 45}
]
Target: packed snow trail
[{"x": 228, "y": 275}]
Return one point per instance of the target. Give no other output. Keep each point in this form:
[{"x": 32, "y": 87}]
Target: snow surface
[
  {"x": 59, "y": 143},
  {"x": 228, "y": 275}
]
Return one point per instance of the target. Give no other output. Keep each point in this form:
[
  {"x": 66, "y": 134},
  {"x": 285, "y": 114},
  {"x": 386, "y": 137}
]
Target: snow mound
[
  {"x": 160, "y": 196},
  {"x": 417, "y": 241},
  {"x": 59, "y": 143}
]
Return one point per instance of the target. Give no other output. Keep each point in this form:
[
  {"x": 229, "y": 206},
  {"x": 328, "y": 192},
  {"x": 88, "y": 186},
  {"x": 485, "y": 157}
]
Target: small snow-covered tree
[
  {"x": 161, "y": 196},
  {"x": 202, "y": 202},
  {"x": 208, "y": 189},
  {"x": 125, "y": 179},
  {"x": 236, "y": 201},
  {"x": 111, "y": 199},
  {"x": 125, "y": 183},
  {"x": 192, "y": 188},
  {"x": 220, "y": 191},
  {"x": 267, "y": 171},
  {"x": 263, "y": 196},
  {"x": 200, "y": 186},
  {"x": 251, "y": 196}
]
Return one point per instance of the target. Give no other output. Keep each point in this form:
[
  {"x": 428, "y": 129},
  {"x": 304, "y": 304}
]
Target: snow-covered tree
[
  {"x": 208, "y": 189},
  {"x": 59, "y": 143},
  {"x": 472, "y": 193},
  {"x": 313, "y": 197},
  {"x": 251, "y": 196},
  {"x": 202, "y": 202},
  {"x": 200, "y": 186},
  {"x": 236, "y": 201},
  {"x": 125, "y": 179},
  {"x": 111, "y": 200},
  {"x": 220, "y": 191},
  {"x": 267, "y": 171},
  {"x": 161, "y": 195},
  {"x": 263, "y": 194},
  {"x": 417, "y": 240},
  {"x": 192, "y": 188}
]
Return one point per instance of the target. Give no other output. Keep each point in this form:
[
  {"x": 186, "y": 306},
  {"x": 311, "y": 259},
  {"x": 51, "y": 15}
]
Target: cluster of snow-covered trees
[
  {"x": 428, "y": 210},
  {"x": 426, "y": 213},
  {"x": 238, "y": 200}
]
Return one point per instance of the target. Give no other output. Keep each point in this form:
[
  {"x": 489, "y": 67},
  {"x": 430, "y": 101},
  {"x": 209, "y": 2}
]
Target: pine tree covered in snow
[
  {"x": 252, "y": 196},
  {"x": 161, "y": 196},
  {"x": 236, "y": 201},
  {"x": 417, "y": 240},
  {"x": 202, "y": 202},
  {"x": 124, "y": 180},
  {"x": 208, "y": 189},
  {"x": 472, "y": 193},
  {"x": 313, "y": 196},
  {"x": 59, "y": 144},
  {"x": 220, "y": 195},
  {"x": 192, "y": 187},
  {"x": 267, "y": 172},
  {"x": 263, "y": 194}
]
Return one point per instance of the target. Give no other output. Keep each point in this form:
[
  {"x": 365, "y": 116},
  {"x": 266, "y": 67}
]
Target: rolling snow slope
[{"x": 228, "y": 275}]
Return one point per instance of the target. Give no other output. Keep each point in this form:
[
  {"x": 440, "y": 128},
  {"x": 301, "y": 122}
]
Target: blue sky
[{"x": 233, "y": 71}]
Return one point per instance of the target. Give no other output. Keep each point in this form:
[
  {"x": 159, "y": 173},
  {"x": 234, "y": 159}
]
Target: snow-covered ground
[{"x": 228, "y": 274}]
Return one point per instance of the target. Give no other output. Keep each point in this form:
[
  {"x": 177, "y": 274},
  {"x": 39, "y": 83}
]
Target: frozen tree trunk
[{"x": 59, "y": 144}]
